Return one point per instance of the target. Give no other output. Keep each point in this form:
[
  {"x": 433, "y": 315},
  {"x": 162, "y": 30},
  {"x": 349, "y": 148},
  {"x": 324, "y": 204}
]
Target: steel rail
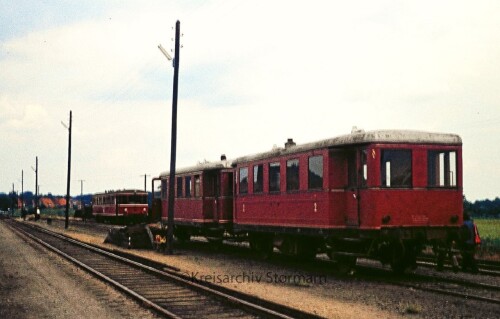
[
  {"x": 100, "y": 275},
  {"x": 241, "y": 304},
  {"x": 436, "y": 279}
]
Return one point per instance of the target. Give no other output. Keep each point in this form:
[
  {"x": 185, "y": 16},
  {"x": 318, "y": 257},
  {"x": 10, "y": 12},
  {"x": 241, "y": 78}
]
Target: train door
[
  {"x": 352, "y": 191},
  {"x": 224, "y": 200},
  {"x": 345, "y": 183},
  {"x": 211, "y": 193}
]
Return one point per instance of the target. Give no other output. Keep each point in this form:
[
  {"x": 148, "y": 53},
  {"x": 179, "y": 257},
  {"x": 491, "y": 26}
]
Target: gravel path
[{"x": 35, "y": 283}]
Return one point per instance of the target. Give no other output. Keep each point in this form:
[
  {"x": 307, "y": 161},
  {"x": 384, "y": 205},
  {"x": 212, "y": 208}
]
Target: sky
[{"x": 252, "y": 74}]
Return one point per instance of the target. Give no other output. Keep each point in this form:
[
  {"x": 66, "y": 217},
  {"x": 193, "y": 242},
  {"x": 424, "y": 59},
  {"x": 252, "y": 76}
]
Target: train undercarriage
[{"x": 397, "y": 247}]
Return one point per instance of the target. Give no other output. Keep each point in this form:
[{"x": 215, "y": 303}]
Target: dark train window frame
[
  {"x": 258, "y": 179},
  {"x": 293, "y": 175},
  {"x": 364, "y": 168},
  {"x": 188, "y": 186},
  {"x": 243, "y": 181},
  {"x": 436, "y": 171},
  {"x": 274, "y": 177},
  {"x": 164, "y": 189},
  {"x": 197, "y": 186},
  {"x": 313, "y": 182},
  {"x": 407, "y": 181},
  {"x": 179, "y": 180}
]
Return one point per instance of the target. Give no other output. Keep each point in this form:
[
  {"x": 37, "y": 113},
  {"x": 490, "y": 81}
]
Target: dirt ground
[
  {"x": 35, "y": 283},
  {"x": 320, "y": 292}
]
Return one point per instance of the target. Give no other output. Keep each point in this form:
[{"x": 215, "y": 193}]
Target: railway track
[
  {"x": 486, "y": 267},
  {"x": 461, "y": 285},
  {"x": 170, "y": 295},
  {"x": 475, "y": 289},
  {"x": 440, "y": 283}
]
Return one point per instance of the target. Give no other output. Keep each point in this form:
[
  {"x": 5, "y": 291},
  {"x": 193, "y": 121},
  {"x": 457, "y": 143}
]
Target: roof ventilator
[{"x": 289, "y": 143}]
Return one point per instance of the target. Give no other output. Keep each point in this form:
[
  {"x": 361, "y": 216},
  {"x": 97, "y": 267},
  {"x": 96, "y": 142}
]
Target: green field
[{"x": 489, "y": 230}]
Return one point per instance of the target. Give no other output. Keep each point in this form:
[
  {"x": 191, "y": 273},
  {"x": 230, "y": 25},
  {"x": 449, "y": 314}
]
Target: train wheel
[
  {"x": 306, "y": 251},
  {"x": 399, "y": 261},
  {"x": 262, "y": 244},
  {"x": 345, "y": 264}
]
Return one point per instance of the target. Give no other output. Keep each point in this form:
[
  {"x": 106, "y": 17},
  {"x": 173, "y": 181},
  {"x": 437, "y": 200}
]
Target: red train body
[
  {"x": 204, "y": 200},
  {"x": 126, "y": 206},
  {"x": 381, "y": 194}
]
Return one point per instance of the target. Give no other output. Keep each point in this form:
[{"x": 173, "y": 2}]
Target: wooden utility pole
[
  {"x": 22, "y": 191},
  {"x": 145, "y": 186},
  {"x": 81, "y": 191},
  {"x": 36, "y": 185},
  {"x": 173, "y": 144},
  {"x": 13, "y": 200},
  {"x": 69, "y": 173}
]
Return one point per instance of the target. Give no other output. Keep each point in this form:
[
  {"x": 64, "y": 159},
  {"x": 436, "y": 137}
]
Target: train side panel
[
  {"x": 203, "y": 201},
  {"x": 298, "y": 206}
]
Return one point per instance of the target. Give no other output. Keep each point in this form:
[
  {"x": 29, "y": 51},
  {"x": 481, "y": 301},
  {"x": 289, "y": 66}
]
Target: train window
[
  {"x": 179, "y": 186},
  {"x": 244, "y": 180},
  {"x": 396, "y": 168},
  {"x": 121, "y": 199},
  {"x": 352, "y": 171},
  {"x": 258, "y": 178},
  {"x": 188, "y": 186},
  {"x": 315, "y": 172},
  {"x": 364, "y": 167},
  {"x": 135, "y": 199},
  {"x": 164, "y": 188},
  {"x": 197, "y": 188},
  {"x": 274, "y": 177},
  {"x": 442, "y": 168},
  {"x": 292, "y": 175}
]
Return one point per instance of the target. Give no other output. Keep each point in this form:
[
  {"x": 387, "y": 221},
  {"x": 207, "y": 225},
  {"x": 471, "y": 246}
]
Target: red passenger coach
[
  {"x": 203, "y": 200},
  {"x": 127, "y": 206},
  {"x": 380, "y": 194}
]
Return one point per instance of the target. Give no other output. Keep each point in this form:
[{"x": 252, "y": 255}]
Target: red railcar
[
  {"x": 380, "y": 194},
  {"x": 126, "y": 206},
  {"x": 204, "y": 200}
]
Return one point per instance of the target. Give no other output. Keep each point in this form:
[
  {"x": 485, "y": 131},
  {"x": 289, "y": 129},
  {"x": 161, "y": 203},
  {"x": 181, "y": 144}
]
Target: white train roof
[
  {"x": 200, "y": 167},
  {"x": 359, "y": 137},
  {"x": 122, "y": 192}
]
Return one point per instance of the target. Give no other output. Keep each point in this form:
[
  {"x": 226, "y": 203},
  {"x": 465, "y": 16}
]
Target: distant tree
[
  {"x": 483, "y": 208},
  {"x": 28, "y": 198},
  {"x": 86, "y": 199},
  {"x": 5, "y": 201}
]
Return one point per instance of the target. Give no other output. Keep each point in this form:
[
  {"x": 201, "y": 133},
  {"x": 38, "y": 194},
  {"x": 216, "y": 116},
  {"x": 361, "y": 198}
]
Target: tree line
[{"x": 483, "y": 208}]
